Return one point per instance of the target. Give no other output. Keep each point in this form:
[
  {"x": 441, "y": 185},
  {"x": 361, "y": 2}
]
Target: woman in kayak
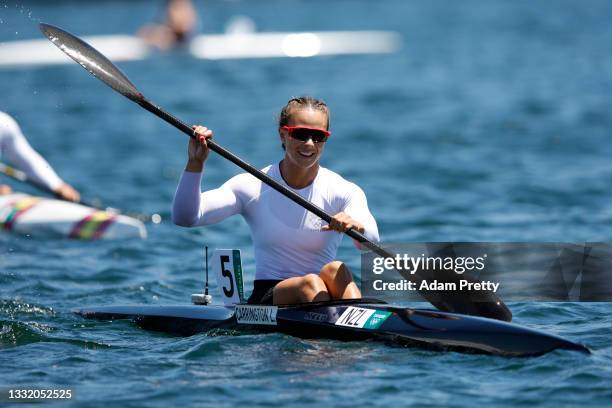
[
  {"x": 294, "y": 252},
  {"x": 15, "y": 149}
]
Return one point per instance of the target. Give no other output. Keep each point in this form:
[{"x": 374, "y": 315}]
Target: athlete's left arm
[
  {"x": 21, "y": 155},
  {"x": 357, "y": 208}
]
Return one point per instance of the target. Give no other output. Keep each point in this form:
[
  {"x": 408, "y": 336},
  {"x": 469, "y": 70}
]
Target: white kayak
[
  {"x": 233, "y": 45},
  {"x": 43, "y": 52},
  {"x": 308, "y": 44},
  {"x": 47, "y": 217}
]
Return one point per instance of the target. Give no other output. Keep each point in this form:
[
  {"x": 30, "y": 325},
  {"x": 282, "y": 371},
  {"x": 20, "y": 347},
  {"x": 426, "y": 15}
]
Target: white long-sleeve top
[
  {"x": 287, "y": 239},
  {"x": 15, "y": 149}
]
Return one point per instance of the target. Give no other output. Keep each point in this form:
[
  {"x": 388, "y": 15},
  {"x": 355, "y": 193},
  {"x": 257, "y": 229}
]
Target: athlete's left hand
[{"x": 343, "y": 222}]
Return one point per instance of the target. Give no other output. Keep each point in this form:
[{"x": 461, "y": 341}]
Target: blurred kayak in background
[
  {"x": 45, "y": 217},
  {"x": 234, "y": 45}
]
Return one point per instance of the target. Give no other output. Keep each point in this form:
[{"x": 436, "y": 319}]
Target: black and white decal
[
  {"x": 354, "y": 317},
  {"x": 256, "y": 314}
]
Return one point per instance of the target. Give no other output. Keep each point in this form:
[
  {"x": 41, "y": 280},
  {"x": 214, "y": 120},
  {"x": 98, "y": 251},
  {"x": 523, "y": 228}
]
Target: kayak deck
[{"x": 348, "y": 320}]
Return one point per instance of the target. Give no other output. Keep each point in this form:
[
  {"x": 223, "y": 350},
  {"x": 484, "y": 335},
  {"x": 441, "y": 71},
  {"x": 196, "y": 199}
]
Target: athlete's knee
[
  {"x": 313, "y": 289},
  {"x": 334, "y": 270},
  {"x": 313, "y": 282}
]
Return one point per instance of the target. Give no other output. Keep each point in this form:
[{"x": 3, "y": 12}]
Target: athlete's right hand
[{"x": 198, "y": 149}]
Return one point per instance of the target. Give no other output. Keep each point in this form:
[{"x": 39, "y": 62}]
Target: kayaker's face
[{"x": 304, "y": 154}]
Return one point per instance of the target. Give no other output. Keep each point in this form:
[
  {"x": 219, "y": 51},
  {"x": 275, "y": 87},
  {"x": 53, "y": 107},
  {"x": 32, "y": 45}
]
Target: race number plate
[{"x": 227, "y": 266}]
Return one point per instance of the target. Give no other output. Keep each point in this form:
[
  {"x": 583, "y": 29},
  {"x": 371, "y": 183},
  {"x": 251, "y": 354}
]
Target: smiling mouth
[{"x": 306, "y": 154}]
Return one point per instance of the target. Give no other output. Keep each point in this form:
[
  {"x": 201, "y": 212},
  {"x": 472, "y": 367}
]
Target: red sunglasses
[{"x": 303, "y": 133}]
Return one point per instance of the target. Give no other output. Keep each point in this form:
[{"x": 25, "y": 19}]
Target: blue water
[{"x": 492, "y": 123}]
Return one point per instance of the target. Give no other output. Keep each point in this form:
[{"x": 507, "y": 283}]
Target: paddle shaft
[
  {"x": 212, "y": 145},
  {"x": 23, "y": 177}
]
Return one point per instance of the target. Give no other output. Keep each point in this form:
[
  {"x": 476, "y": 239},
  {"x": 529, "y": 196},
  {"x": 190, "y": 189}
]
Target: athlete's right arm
[{"x": 193, "y": 208}]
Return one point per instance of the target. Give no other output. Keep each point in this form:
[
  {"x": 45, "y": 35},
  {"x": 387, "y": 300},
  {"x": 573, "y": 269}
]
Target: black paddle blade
[{"x": 92, "y": 60}]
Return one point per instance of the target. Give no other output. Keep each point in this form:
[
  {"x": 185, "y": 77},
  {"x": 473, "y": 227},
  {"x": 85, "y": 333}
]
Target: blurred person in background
[{"x": 179, "y": 23}]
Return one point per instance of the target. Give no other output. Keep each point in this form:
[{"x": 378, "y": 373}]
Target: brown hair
[{"x": 302, "y": 102}]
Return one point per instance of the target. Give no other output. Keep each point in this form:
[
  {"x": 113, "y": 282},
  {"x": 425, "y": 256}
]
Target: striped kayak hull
[{"x": 45, "y": 217}]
